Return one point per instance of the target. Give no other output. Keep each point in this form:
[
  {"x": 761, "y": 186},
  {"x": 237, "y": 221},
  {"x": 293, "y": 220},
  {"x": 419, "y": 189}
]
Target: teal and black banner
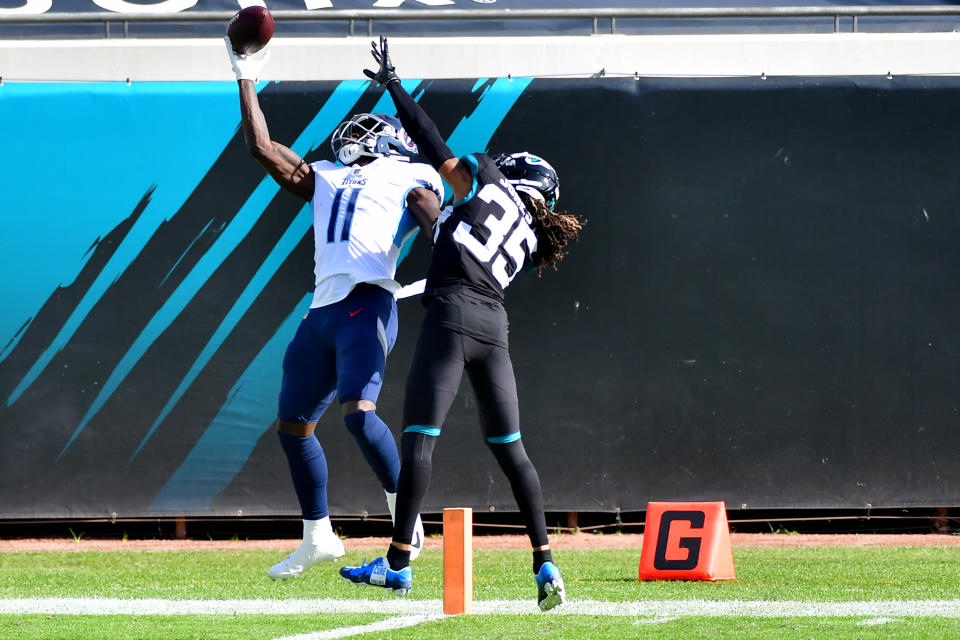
[{"x": 762, "y": 308}]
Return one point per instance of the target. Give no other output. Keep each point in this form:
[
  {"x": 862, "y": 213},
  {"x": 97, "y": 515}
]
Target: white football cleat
[{"x": 306, "y": 555}]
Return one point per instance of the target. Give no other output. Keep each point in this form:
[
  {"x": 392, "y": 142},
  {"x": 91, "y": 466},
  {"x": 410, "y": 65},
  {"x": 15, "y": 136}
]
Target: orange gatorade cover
[{"x": 686, "y": 541}]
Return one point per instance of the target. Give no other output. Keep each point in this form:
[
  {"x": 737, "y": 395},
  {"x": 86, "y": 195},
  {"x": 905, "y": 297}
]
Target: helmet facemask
[
  {"x": 372, "y": 135},
  {"x": 534, "y": 193}
]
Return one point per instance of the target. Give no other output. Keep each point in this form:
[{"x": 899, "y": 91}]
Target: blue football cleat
[
  {"x": 550, "y": 592},
  {"x": 379, "y": 574}
]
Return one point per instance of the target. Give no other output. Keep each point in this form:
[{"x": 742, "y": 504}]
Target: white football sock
[
  {"x": 392, "y": 505},
  {"x": 315, "y": 530}
]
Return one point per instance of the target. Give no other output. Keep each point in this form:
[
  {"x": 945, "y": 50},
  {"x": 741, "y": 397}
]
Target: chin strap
[{"x": 349, "y": 153}]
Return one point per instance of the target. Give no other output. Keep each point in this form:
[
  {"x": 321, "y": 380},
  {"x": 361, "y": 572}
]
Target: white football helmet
[{"x": 373, "y": 135}]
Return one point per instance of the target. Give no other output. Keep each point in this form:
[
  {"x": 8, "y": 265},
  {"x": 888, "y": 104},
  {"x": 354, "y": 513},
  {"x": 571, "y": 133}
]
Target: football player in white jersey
[{"x": 363, "y": 208}]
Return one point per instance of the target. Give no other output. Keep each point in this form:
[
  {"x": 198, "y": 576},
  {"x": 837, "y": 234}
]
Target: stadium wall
[
  {"x": 310, "y": 59},
  {"x": 760, "y": 309}
]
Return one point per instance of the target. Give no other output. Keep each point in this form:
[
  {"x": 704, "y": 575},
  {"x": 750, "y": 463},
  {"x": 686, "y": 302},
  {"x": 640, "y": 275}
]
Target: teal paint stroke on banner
[
  {"x": 184, "y": 253},
  {"x": 474, "y": 131},
  {"x": 283, "y": 248},
  {"x": 343, "y": 98},
  {"x": 101, "y": 146},
  {"x": 226, "y": 445},
  {"x": 228, "y": 442},
  {"x": 300, "y": 225},
  {"x": 385, "y": 103}
]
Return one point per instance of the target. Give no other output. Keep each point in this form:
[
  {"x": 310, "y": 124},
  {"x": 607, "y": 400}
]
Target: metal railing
[{"x": 369, "y": 16}]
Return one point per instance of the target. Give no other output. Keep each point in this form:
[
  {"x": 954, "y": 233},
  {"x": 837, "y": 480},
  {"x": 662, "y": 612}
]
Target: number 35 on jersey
[{"x": 509, "y": 234}]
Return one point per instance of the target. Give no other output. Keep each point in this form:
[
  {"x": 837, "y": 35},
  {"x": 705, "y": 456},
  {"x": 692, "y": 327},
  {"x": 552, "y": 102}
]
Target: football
[{"x": 250, "y": 29}]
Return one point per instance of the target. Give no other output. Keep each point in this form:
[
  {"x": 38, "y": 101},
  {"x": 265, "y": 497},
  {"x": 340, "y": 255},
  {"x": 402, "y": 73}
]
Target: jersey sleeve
[
  {"x": 486, "y": 169},
  {"x": 320, "y": 167},
  {"x": 428, "y": 178},
  {"x": 472, "y": 161}
]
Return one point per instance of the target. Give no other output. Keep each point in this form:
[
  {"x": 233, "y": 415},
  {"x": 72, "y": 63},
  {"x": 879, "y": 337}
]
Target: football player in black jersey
[{"x": 502, "y": 218}]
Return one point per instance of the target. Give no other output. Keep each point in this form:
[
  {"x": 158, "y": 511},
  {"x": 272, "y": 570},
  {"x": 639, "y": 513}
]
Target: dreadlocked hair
[{"x": 554, "y": 231}]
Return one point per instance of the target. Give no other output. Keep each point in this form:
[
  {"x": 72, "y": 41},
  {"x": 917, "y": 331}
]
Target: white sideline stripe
[
  {"x": 653, "y": 620},
  {"x": 871, "y": 622},
  {"x": 638, "y": 608},
  {"x": 356, "y": 630}
]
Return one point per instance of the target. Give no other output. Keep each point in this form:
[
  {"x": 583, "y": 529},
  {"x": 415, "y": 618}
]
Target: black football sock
[
  {"x": 398, "y": 558},
  {"x": 539, "y": 558}
]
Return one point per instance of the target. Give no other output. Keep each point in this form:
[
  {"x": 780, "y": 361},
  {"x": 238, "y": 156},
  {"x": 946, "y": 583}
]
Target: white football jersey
[{"x": 360, "y": 222}]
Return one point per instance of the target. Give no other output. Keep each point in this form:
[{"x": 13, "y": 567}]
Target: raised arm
[
  {"x": 284, "y": 165},
  {"x": 419, "y": 126}
]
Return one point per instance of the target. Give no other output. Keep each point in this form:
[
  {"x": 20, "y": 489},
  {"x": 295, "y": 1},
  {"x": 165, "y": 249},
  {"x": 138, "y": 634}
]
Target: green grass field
[{"x": 820, "y": 592}]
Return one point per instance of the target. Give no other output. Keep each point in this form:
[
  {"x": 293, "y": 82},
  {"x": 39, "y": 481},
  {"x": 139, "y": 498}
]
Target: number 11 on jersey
[{"x": 351, "y": 197}]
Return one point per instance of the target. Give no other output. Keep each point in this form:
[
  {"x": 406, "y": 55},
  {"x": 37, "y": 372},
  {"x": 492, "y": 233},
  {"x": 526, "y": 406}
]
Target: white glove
[{"x": 247, "y": 67}]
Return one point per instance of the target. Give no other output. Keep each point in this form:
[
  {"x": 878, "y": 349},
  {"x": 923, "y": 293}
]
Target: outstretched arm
[
  {"x": 283, "y": 164},
  {"x": 419, "y": 126}
]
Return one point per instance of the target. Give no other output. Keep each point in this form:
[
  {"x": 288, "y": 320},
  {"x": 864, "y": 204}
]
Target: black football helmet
[
  {"x": 374, "y": 135},
  {"x": 530, "y": 174}
]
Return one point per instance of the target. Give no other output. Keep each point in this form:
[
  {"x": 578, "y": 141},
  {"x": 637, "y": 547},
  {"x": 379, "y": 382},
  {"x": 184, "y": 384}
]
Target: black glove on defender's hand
[{"x": 387, "y": 72}]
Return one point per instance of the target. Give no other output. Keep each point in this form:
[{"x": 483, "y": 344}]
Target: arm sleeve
[{"x": 419, "y": 126}]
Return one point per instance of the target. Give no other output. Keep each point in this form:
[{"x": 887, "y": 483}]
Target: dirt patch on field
[{"x": 564, "y": 541}]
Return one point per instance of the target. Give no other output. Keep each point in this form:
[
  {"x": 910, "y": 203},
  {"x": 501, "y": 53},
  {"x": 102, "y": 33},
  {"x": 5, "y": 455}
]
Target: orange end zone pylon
[
  {"x": 458, "y": 561},
  {"x": 686, "y": 541}
]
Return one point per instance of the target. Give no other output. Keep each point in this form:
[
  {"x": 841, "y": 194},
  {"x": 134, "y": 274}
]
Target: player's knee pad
[
  {"x": 511, "y": 452},
  {"x": 417, "y": 447},
  {"x": 511, "y": 456},
  {"x": 377, "y": 444},
  {"x": 359, "y": 425}
]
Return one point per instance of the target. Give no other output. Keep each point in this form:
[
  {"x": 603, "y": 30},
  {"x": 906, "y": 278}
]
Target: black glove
[{"x": 387, "y": 73}]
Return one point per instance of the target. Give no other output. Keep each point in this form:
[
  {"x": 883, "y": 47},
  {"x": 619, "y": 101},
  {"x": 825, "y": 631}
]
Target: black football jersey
[{"x": 485, "y": 240}]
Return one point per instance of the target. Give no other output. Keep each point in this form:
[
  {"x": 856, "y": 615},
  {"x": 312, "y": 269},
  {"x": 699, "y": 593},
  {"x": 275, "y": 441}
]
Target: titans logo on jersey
[
  {"x": 483, "y": 243},
  {"x": 360, "y": 222}
]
